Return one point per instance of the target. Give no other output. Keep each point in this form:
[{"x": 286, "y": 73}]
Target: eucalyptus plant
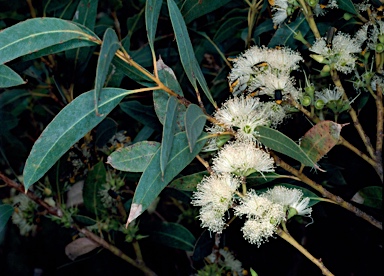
[{"x": 210, "y": 104}]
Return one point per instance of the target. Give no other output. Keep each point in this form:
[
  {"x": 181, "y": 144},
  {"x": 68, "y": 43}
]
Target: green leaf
[
  {"x": 193, "y": 9},
  {"x": 279, "y": 142},
  {"x": 12, "y": 96},
  {"x": 134, "y": 158},
  {"x": 143, "y": 113},
  {"x": 160, "y": 97},
  {"x": 371, "y": 196},
  {"x": 36, "y": 34},
  {"x": 194, "y": 122},
  {"x": 96, "y": 177},
  {"x": 84, "y": 220},
  {"x": 255, "y": 179},
  {"x": 6, "y": 212},
  {"x": 229, "y": 29},
  {"x": 168, "y": 133},
  {"x": 86, "y": 16},
  {"x": 108, "y": 49},
  {"x": 284, "y": 35},
  {"x": 187, "y": 56},
  {"x": 69, "y": 126},
  {"x": 320, "y": 139},
  {"x": 347, "y": 5},
  {"x": 152, "y": 12},
  {"x": 104, "y": 132},
  {"x": 173, "y": 235},
  {"x": 8, "y": 77},
  {"x": 152, "y": 183},
  {"x": 188, "y": 182}
]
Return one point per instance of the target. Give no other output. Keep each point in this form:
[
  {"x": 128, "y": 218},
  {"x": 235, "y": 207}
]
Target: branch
[{"x": 338, "y": 200}]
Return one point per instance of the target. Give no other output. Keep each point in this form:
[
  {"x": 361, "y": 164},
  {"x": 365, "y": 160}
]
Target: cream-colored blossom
[
  {"x": 341, "y": 53},
  {"x": 227, "y": 260},
  {"x": 24, "y": 214},
  {"x": 242, "y": 159},
  {"x": 327, "y": 95},
  {"x": 215, "y": 195}
]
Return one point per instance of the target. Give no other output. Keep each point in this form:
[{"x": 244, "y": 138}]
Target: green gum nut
[
  {"x": 306, "y": 101},
  {"x": 381, "y": 38},
  {"x": 312, "y": 3},
  {"x": 291, "y": 212},
  {"x": 319, "y": 104},
  {"x": 310, "y": 90},
  {"x": 318, "y": 58},
  {"x": 347, "y": 16},
  {"x": 379, "y": 48}
]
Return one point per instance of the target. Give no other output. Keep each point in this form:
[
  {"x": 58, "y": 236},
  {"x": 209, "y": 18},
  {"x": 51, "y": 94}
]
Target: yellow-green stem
[
  {"x": 304, "y": 251},
  {"x": 309, "y": 17}
]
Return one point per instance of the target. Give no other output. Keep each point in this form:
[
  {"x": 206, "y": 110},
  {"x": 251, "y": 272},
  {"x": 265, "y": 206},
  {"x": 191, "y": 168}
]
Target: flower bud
[
  {"x": 347, "y": 16},
  {"x": 318, "y": 58}
]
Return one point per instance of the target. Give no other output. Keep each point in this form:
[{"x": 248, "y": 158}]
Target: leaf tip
[{"x": 136, "y": 210}]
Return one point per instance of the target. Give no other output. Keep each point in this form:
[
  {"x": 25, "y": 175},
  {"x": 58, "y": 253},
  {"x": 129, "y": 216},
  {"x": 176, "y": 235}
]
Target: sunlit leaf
[
  {"x": 279, "y": 142},
  {"x": 152, "y": 183},
  {"x": 36, "y": 34},
  {"x": 134, "y": 158},
  {"x": 69, "y": 126}
]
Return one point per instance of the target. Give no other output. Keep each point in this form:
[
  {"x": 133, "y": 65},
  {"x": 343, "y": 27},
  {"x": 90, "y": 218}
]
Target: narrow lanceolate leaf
[
  {"x": 173, "y": 235},
  {"x": 85, "y": 15},
  {"x": 36, "y": 34},
  {"x": 194, "y": 124},
  {"x": 108, "y": 49},
  {"x": 168, "y": 133},
  {"x": 6, "y": 212},
  {"x": 279, "y": 142},
  {"x": 371, "y": 196},
  {"x": 320, "y": 139},
  {"x": 96, "y": 178},
  {"x": 134, "y": 158},
  {"x": 8, "y": 77},
  {"x": 193, "y": 9},
  {"x": 347, "y": 5},
  {"x": 187, "y": 56},
  {"x": 152, "y": 11},
  {"x": 160, "y": 97},
  {"x": 152, "y": 183},
  {"x": 71, "y": 124}
]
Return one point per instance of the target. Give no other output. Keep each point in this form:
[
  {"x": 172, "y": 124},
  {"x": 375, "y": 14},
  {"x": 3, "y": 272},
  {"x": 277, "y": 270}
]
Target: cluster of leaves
[{"x": 47, "y": 64}]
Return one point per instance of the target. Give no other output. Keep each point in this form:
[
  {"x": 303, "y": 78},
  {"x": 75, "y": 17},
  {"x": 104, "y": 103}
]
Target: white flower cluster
[
  {"x": 265, "y": 71},
  {"x": 23, "y": 216},
  {"x": 339, "y": 55}
]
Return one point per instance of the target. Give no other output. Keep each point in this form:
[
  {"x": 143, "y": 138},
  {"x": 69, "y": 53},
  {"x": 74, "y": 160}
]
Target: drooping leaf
[
  {"x": 371, "y": 196},
  {"x": 193, "y": 9},
  {"x": 134, "y": 158},
  {"x": 168, "y": 133},
  {"x": 320, "y": 139},
  {"x": 152, "y": 183},
  {"x": 229, "y": 29},
  {"x": 108, "y": 49},
  {"x": 203, "y": 246},
  {"x": 152, "y": 12},
  {"x": 6, "y": 212},
  {"x": 194, "y": 124},
  {"x": 173, "y": 235},
  {"x": 347, "y": 5},
  {"x": 143, "y": 134},
  {"x": 279, "y": 142},
  {"x": 36, "y": 34},
  {"x": 85, "y": 15},
  {"x": 188, "y": 182},
  {"x": 132, "y": 72},
  {"x": 8, "y": 77},
  {"x": 187, "y": 56},
  {"x": 96, "y": 177},
  {"x": 69, "y": 126}
]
